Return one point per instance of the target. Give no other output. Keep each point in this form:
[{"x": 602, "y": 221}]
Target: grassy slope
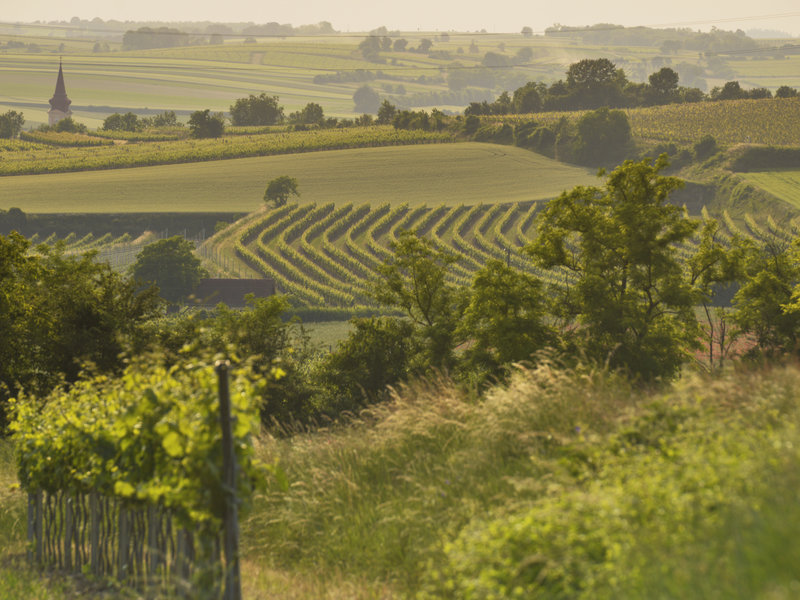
[
  {"x": 685, "y": 492},
  {"x": 783, "y": 184},
  {"x": 433, "y": 174}
]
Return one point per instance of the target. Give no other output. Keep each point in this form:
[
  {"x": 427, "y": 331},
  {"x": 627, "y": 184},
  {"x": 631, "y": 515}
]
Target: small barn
[{"x": 232, "y": 292}]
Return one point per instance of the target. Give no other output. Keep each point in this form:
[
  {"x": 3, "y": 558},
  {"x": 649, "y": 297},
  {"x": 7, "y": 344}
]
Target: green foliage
[
  {"x": 312, "y": 114},
  {"x": 203, "y": 124},
  {"x": 150, "y": 437},
  {"x": 279, "y": 189},
  {"x": 705, "y": 147},
  {"x": 256, "y": 110},
  {"x": 688, "y": 499},
  {"x": 626, "y": 300},
  {"x": 766, "y": 304},
  {"x": 386, "y": 113},
  {"x": 504, "y": 321},
  {"x": 119, "y": 122},
  {"x": 414, "y": 279},
  {"x": 603, "y": 137},
  {"x": 366, "y": 100},
  {"x": 69, "y": 125},
  {"x": 169, "y": 264},
  {"x": 11, "y": 123},
  {"x": 375, "y": 355},
  {"x": 60, "y": 313}
]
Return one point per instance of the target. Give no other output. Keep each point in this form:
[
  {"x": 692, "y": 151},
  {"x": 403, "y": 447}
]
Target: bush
[{"x": 706, "y": 147}]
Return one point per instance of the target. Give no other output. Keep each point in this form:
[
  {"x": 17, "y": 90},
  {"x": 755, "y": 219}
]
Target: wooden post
[
  {"x": 31, "y": 526},
  {"x": 123, "y": 540},
  {"x": 94, "y": 532},
  {"x": 38, "y": 527},
  {"x": 233, "y": 584},
  {"x": 68, "y": 521}
]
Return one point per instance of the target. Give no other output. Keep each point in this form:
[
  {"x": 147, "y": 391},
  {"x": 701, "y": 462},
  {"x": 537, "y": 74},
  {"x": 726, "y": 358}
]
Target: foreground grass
[{"x": 563, "y": 484}]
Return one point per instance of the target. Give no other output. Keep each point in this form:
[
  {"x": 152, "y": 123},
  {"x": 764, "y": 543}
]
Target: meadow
[
  {"x": 559, "y": 484},
  {"x": 436, "y": 173},
  {"x": 784, "y": 184}
]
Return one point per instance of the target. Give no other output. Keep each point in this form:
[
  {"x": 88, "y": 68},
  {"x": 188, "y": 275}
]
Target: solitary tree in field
[{"x": 279, "y": 189}]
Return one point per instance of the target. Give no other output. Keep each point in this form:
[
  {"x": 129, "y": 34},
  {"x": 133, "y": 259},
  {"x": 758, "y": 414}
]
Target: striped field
[{"x": 436, "y": 174}]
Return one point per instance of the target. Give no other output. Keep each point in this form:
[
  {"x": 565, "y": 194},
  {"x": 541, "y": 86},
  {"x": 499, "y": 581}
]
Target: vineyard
[
  {"x": 327, "y": 254},
  {"x": 43, "y": 158},
  {"x": 772, "y": 121}
]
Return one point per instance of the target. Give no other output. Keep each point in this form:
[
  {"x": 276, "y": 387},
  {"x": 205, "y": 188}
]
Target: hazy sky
[{"x": 428, "y": 15}]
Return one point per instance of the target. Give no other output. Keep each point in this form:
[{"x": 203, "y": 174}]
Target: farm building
[{"x": 232, "y": 292}]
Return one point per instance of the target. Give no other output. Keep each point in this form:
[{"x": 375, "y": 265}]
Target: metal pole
[{"x": 233, "y": 584}]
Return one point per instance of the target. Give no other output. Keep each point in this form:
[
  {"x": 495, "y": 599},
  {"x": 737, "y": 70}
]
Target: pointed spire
[{"x": 59, "y": 101}]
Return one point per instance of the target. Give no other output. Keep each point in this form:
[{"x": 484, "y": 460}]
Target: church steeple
[{"x": 59, "y": 103}]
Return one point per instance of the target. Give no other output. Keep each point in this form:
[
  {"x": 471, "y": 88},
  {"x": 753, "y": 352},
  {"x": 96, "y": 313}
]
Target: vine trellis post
[{"x": 136, "y": 543}]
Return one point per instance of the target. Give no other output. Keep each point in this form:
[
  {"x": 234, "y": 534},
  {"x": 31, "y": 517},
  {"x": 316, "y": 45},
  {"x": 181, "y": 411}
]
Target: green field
[
  {"x": 782, "y": 184},
  {"x": 436, "y": 174}
]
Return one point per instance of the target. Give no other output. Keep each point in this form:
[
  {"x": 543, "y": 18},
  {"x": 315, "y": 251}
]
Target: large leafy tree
[
  {"x": 415, "y": 280},
  {"x": 59, "y": 313},
  {"x": 279, "y": 189},
  {"x": 624, "y": 297},
  {"x": 203, "y": 124},
  {"x": 256, "y": 110},
  {"x": 505, "y": 320},
  {"x": 169, "y": 264},
  {"x": 11, "y": 123}
]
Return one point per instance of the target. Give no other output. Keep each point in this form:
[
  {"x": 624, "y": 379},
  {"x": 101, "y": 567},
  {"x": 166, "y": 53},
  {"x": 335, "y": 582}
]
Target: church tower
[{"x": 59, "y": 103}]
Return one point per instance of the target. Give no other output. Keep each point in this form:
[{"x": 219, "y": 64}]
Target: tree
[
  {"x": 527, "y": 99},
  {"x": 366, "y": 100},
  {"x": 664, "y": 84},
  {"x": 628, "y": 301},
  {"x": 603, "y": 136},
  {"x": 119, "y": 122},
  {"x": 400, "y": 45},
  {"x": 11, "y": 124},
  {"x": 767, "y": 303},
  {"x": 504, "y": 321},
  {"x": 595, "y": 82},
  {"x": 312, "y": 114},
  {"x": 169, "y": 264},
  {"x": 60, "y": 314},
  {"x": 527, "y": 32},
  {"x": 424, "y": 45},
  {"x": 386, "y": 112},
  {"x": 375, "y": 355},
  {"x": 256, "y": 110},
  {"x": 279, "y": 189},
  {"x": 203, "y": 124},
  {"x": 786, "y": 92},
  {"x": 69, "y": 125},
  {"x": 414, "y": 279}
]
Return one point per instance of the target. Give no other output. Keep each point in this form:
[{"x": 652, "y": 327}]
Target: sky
[{"x": 498, "y": 16}]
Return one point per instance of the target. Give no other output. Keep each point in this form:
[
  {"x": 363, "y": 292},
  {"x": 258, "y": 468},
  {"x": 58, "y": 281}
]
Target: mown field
[
  {"x": 434, "y": 174},
  {"x": 784, "y": 184}
]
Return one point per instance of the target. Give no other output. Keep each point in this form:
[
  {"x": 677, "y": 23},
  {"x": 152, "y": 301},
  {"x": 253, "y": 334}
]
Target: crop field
[
  {"x": 783, "y": 184},
  {"x": 326, "y": 254},
  {"x": 774, "y": 121},
  {"x": 432, "y": 173},
  {"x": 35, "y": 158},
  {"x": 197, "y": 77}
]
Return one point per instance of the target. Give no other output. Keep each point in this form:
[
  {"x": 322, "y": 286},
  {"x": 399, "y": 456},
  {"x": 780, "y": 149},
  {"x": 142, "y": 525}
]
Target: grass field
[
  {"x": 782, "y": 184},
  {"x": 436, "y": 174}
]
